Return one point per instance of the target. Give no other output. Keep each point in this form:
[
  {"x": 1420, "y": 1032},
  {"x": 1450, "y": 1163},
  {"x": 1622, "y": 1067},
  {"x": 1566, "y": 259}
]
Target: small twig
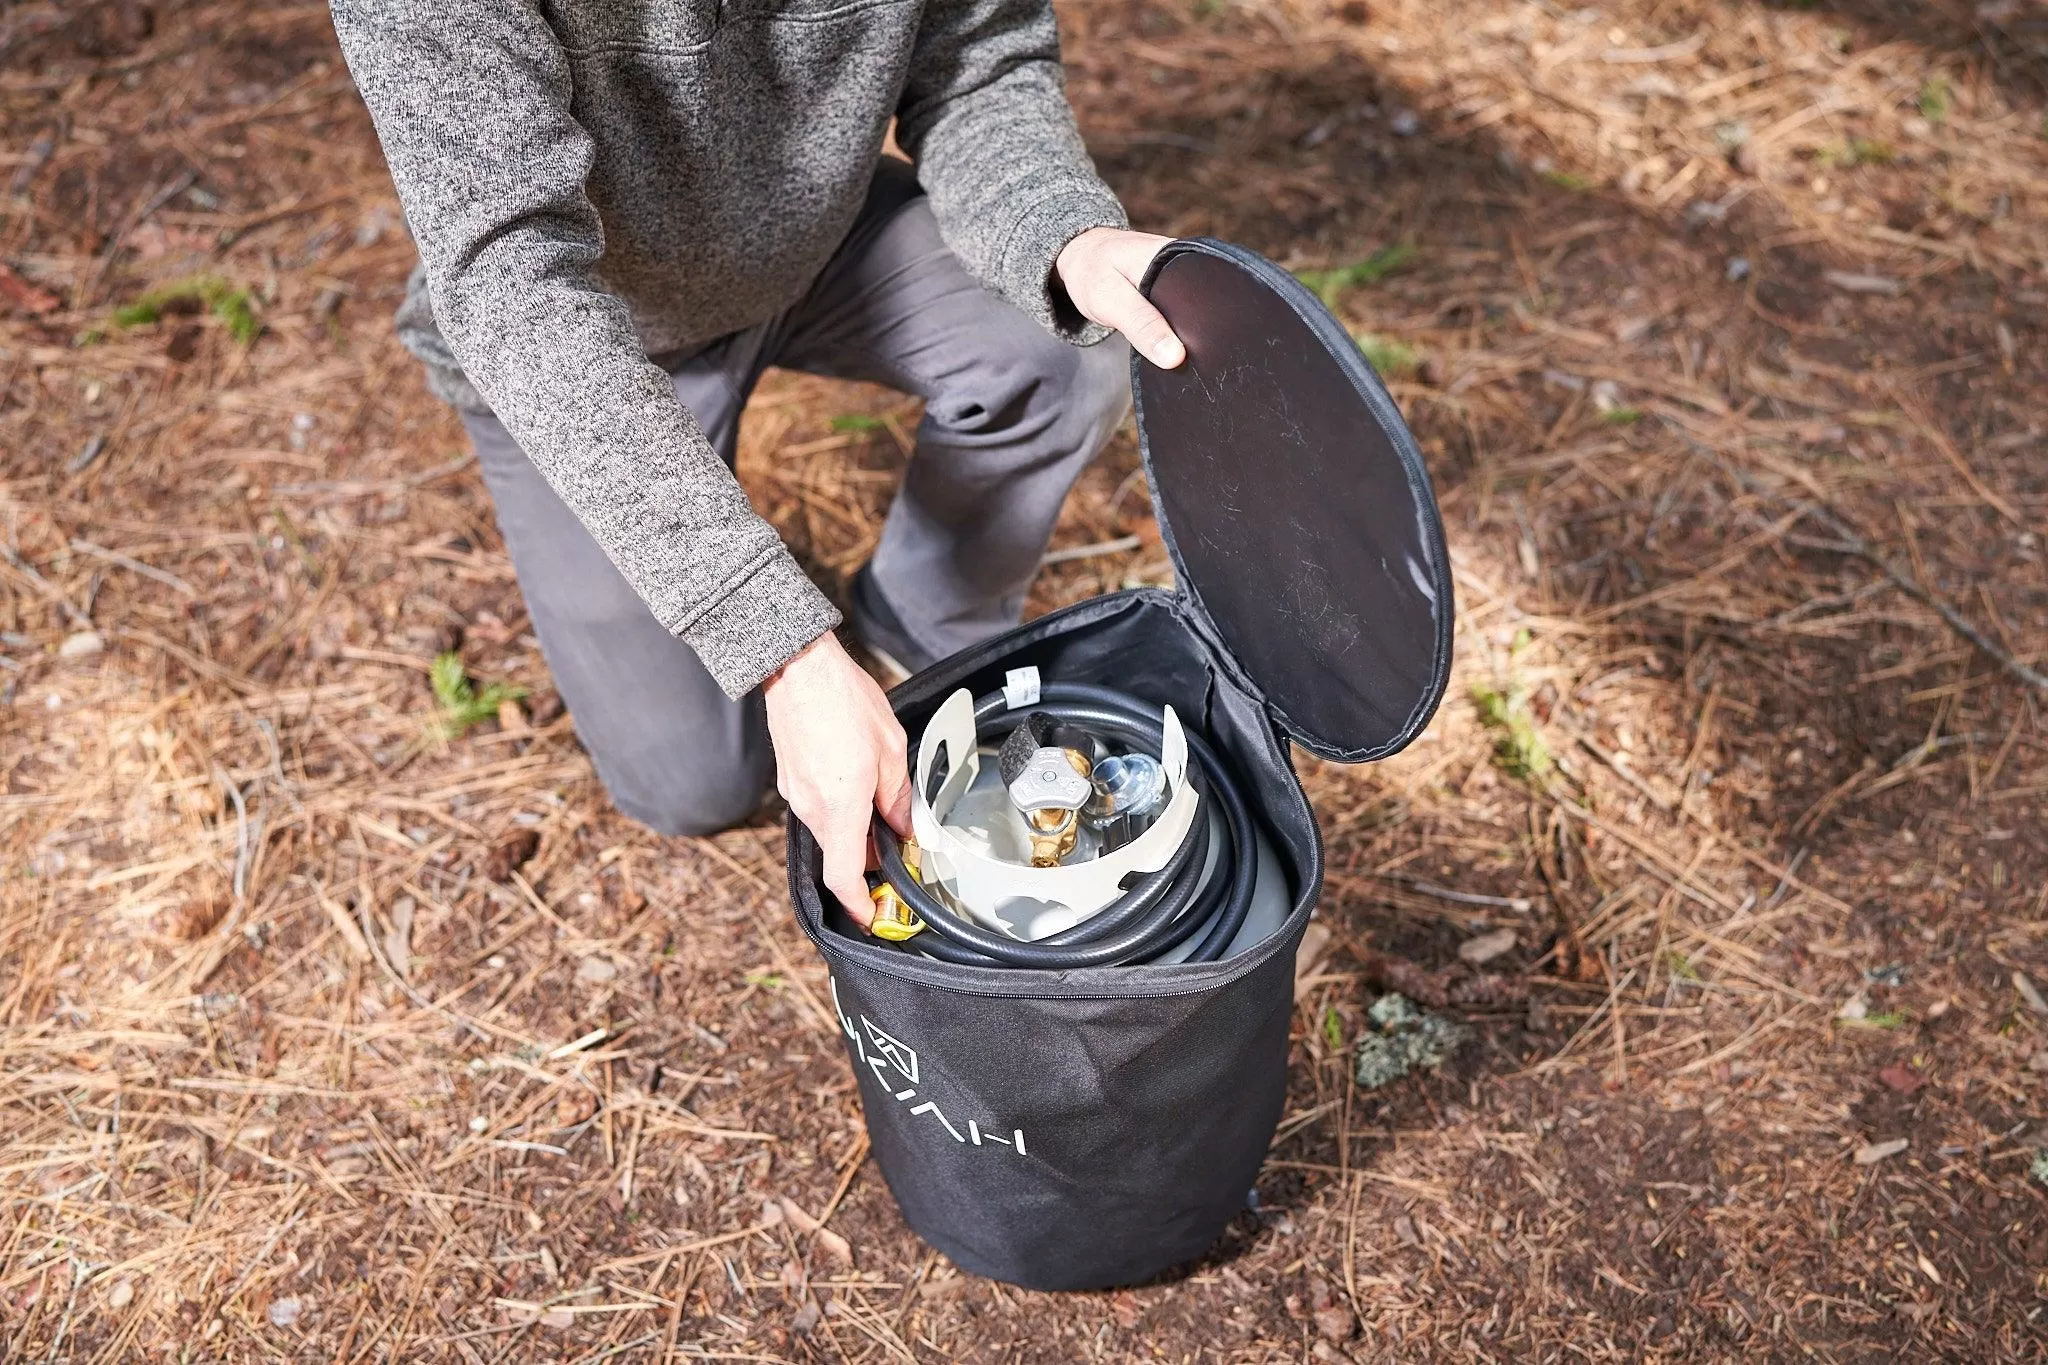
[
  {"x": 150, "y": 571},
  {"x": 1106, "y": 547},
  {"x": 256, "y": 1262},
  {"x": 358, "y": 947},
  {"x": 675, "y": 1311},
  {"x": 1849, "y": 542},
  {"x": 1754, "y": 1032},
  {"x": 1785, "y": 882},
  {"x": 87, "y": 453},
  {"x": 609, "y": 1352},
  {"x": 241, "y": 833},
  {"x": 1818, "y": 604},
  {"x": 1134, "y": 479},
  {"x": 81, "y": 1271},
  {"x": 1919, "y": 417},
  {"x": 632, "y": 1158},
  {"x": 40, "y": 150},
  {"x": 1519, "y": 904},
  {"x": 1585, "y": 1029},
  {"x": 1619, "y": 766},
  {"x": 852, "y": 1168},
  {"x": 371, "y": 941},
  {"x": 517, "y": 1145},
  {"x": 48, "y": 589},
  {"x": 358, "y": 486}
]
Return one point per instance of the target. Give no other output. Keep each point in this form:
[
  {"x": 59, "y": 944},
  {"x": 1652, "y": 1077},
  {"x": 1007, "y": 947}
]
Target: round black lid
[{"x": 1294, "y": 503}]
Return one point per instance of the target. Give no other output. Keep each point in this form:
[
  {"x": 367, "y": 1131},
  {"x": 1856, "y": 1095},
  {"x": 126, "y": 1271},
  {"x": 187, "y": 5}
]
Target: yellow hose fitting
[{"x": 894, "y": 920}]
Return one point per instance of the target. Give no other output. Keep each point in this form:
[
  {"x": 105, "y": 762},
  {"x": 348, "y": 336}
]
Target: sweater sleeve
[
  {"x": 985, "y": 117},
  {"x": 471, "y": 100}
]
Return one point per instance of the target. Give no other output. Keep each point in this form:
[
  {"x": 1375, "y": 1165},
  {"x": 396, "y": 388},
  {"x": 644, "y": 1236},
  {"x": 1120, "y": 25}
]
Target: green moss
[
  {"x": 857, "y": 421},
  {"x": 1888, "y": 1019},
  {"x": 1392, "y": 359},
  {"x": 1937, "y": 97},
  {"x": 1622, "y": 417},
  {"x": 1565, "y": 180},
  {"x": 1861, "y": 151},
  {"x": 1330, "y": 284},
  {"x": 462, "y": 705},
  {"x": 236, "y": 308},
  {"x": 1518, "y": 746}
]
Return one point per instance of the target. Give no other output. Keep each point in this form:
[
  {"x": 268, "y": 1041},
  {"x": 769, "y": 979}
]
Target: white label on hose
[{"x": 1020, "y": 687}]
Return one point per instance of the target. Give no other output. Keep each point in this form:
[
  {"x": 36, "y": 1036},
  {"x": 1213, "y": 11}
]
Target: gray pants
[{"x": 1012, "y": 415}]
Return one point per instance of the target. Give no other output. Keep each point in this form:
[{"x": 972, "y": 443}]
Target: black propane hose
[{"x": 1158, "y": 911}]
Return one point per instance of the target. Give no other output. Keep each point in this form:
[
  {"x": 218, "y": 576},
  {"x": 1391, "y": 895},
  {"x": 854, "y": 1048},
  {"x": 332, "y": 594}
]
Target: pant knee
[
  {"x": 1036, "y": 388},
  {"x": 693, "y": 808},
  {"x": 688, "y": 784},
  {"x": 1088, "y": 393}
]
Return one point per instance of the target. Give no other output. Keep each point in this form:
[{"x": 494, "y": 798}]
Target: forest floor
[{"x": 1724, "y": 328}]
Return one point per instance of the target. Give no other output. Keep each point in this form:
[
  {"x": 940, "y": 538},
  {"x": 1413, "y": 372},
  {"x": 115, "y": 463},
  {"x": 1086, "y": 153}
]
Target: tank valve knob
[{"x": 1048, "y": 791}]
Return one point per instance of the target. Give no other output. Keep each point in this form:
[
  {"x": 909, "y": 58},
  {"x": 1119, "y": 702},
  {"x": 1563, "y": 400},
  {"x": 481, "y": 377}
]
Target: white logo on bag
[
  {"x": 885, "y": 1054},
  {"x": 900, "y": 1055}
]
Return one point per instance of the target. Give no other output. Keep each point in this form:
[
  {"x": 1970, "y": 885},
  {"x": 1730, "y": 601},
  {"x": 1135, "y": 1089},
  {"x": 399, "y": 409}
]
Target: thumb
[{"x": 1131, "y": 313}]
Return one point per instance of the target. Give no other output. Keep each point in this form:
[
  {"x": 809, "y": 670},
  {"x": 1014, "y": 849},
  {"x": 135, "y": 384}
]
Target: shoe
[{"x": 880, "y": 631}]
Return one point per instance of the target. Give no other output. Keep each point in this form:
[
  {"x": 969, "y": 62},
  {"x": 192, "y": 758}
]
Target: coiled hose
[{"x": 1158, "y": 911}]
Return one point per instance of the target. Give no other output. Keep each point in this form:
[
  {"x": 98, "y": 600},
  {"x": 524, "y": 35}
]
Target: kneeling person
[{"x": 625, "y": 213}]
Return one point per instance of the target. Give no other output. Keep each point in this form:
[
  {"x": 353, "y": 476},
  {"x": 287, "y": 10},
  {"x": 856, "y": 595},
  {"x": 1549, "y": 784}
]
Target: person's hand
[
  {"x": 838, "y": 759},
  {"x": 1100, "y": 270}
]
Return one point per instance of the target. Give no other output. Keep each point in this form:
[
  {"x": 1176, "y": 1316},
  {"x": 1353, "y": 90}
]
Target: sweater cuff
[
  {"x": 1025, "y": 264},
  {"x": 767, "y": 615}
]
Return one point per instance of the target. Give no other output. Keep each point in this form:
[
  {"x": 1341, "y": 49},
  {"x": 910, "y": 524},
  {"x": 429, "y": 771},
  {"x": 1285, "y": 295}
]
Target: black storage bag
[{"x": 1078, "y": 1129}]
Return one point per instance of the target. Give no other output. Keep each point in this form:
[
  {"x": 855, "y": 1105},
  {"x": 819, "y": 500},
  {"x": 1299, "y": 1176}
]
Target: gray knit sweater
[{"x": 591, "y": 182}]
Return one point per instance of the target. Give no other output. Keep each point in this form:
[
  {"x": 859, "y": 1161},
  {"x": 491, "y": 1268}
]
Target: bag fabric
[
  {"x": 1294, "y": 504},
  {"x": 1072, "y": 1130},
  {"x": 1078, "y": 1129}
]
